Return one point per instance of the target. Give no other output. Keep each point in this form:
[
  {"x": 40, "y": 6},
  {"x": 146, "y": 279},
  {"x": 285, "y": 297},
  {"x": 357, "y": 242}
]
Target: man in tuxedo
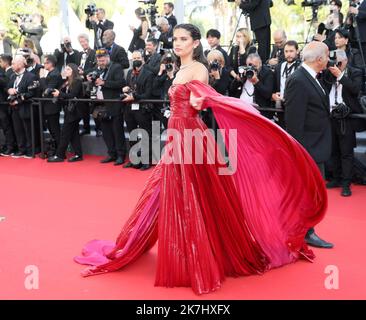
[
  {"x": 99, "y": 24},
  {"x": 109, "y": 86},
  {"x": 51, "y": 109},
  {"x": 6, "y": 44},
  {"x": 166, "y": 33},
  {"x": 282, "y": 72},
  {"x": 139, "y": 86},
  {"x": 152, "y": 57},
  {"x": 260, "y": 22},
  {"x": 168, "y": 14},
  {"x": 66, "y": 55},
  {"x": 343, "y": 84},
  {"x": 34, "y": 30},
  {"x": 20, "y": 106},
  {"x": 307, "y": 113},
  {"x": 213, "y": 38},
  {"x": 5, "y": 117},
  {"x": 87, "y": 62},
  {"x": 117, "y": 54},
  {"x": 278, "y": 54}
]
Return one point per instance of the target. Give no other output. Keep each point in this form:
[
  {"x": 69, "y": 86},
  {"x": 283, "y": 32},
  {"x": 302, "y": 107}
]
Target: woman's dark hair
[
  {"x": 195, "y": 33},
  {"x": 343, "y": 33},
  {"x": 75, "y": 74}
]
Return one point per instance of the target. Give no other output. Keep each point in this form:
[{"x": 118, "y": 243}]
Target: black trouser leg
[
  {"x": 28, "y": 134},
  {"x": 130, "y": 122},
  {"x": 69, "y": 134},
  {"x": 144, "y": 120},
  {"x": 7, "y": 126},
  {"x": 108, "y": 137},
  {"x": 86, "y": 122},
  {"x": 118, "y": 136},
  {"x": 98, "y": 124},
  {"x": 53, "y": 125},
  {"x": 263, "y": 37},
  {"x": 19, "y": 131}
]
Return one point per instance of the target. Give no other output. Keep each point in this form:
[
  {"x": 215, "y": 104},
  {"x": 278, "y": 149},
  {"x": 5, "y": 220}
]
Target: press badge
[{"x": 135, "y": 106}]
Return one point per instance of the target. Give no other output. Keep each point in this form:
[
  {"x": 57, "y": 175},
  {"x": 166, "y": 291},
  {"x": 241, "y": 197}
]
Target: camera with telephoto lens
[
  {"x": 91, "y": 9},
  {"x": 333, "y": 60},
  {"x": 92, "y": 88},
  {"x": 65, "y": 46},
  {"x": 23, "y": 17},
  {"x": 94, "y": 75},
  {"x": 214, "y": 66},
  {"x": 313, "y": 3},
  {"x": 168, "y": 62},
  {"x": 250, "y": 71}
]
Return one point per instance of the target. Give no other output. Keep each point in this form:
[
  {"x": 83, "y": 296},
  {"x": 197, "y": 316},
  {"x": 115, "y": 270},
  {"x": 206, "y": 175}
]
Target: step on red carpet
[{"x": 51, "y": 209}]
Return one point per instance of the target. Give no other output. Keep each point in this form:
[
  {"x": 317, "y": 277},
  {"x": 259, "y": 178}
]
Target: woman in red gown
[{"x": 211, "y": 220}]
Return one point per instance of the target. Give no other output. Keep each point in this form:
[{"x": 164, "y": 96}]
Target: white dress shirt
[
  {"x": 313, "y": 73},
  {"x": 336, "y": 87},
  {"x": 247, "y": 93}
]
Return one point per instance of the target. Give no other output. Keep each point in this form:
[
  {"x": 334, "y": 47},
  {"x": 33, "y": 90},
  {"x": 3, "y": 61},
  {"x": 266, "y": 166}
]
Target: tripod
[{"x": 313, "y": 21}]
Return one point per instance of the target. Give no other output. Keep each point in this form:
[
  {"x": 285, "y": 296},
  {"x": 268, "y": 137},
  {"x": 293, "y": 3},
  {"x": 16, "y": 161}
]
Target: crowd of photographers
[{"x": 105, "y": 72}]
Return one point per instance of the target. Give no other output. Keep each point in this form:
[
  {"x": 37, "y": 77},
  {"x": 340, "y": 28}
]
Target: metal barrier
[{"x": 38, "y": 102}]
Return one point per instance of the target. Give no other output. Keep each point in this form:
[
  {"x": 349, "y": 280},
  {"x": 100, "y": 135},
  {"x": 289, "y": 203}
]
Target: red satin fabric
[{"x": 209, "y": 225}]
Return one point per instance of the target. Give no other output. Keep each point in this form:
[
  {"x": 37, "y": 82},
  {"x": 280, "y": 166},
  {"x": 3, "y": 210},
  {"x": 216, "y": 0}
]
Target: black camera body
[
  {"x": 214, "y": 66},
  {"x": 333, "y": 60},
  {"x": 91, "y": 9},
  {"x": 48, "y": 92},
  {"x": 23, "y": 17},
  {"x": 34, "y": 86},
  {"x": 94, "y": 75},
  {"x": 15, "y": 99},
  {"x": 247, "y": 71},
  {"x": 65, "y": 46},
  {"x": 313, "y": 3}
]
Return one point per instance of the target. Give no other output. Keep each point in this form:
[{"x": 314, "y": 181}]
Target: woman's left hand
[
  {"x": 56, "y": 93},
  {"x": 196, "y": 102}
]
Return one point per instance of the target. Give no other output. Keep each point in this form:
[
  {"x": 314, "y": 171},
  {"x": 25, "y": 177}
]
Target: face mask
[{"x": 136, "y": 64}]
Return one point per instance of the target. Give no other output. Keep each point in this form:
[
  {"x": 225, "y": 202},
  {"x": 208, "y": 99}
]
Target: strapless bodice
[{"x": 179, "y": 95}]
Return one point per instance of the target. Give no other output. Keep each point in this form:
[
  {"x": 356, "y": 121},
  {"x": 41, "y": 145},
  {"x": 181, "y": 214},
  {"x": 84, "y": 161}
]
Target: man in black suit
[
  {"x": 278, "y": 55},
  {"x": 139, "y": 86},
  {"x": 257, "y": 88},
  {"x": 20, "y": 106},
  {"x": 51, "y": 109},
  {"x": 6, "y": 44},
  {"x": 109, "y": 86},
  {"x": 343, "y": 84},
  {"x": 282, "y": 72},
  {"x": 152, "y": 57},
  {"x": 5, "y": 117},
  {"x": 87, "y": 62},
  {"x": 116, "y": 53},
  {"x": 99, "y": 24},
  {"x": 359, "y": 13},
  {"x": 66, "y": 55},
  {"x": 213, "y": 39},
  {"x": 307, "y": 113},
  {"x": 260, "y": 22},
  {"x": 166, "y": 33},
  {"x": 168, "y": 14},
  {"x": 34, "y": 30}
]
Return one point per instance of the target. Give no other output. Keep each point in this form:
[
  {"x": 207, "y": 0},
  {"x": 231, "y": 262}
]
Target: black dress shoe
[
  {"x": 128, "y": 165},
  {"x": 55, "y": 159},
  {"x": 7, "y": 152},
  {"x": 99, "y": 133},
  {"x": 18, "y": 154},
  {"x": 333, "y": 184},
  {"x": 108, "y": 159},
  {"x": 119, "y": 161},
  {"x": 313, "y": 240},
  {"x": 84, "y": 132},
  {"x": 346, "y": 191},
  {"x": 75, "y": 158},
  {"x": 145, "y": 167}
]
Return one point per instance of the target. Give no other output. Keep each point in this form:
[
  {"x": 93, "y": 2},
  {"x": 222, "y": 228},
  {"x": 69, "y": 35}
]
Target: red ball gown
[{"x": 211, "y": 225}]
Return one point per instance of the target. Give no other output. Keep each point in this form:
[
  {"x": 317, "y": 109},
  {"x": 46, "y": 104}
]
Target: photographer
[
  {"x": 162, "y": 82},
  {"x": 6, "y": 44},
  {"x": 96, "y": 20},
  {"x": 168, "y": 14},
  {"x": 139, "y": 87},
  {"x": 139, "y": 34},
  {"x": 213, "y": 39},
  {"x": 343, "y": 84},
  {"x": 86, "y": 63},
  {"x": 240, "y": 51},
  {"x": 32, "y": 65},
  {"x": 152, "y": 57},
  {"x": 256, "y": 83},
  {"x": 260, "y": 22},
  {"x": 5, "y": 117},
  {"x": 51, "y": 110},
  {"x": 74, "y": 111},
  {"x": 34, "y": 30},
  {"x": 333, "y": 22},
  {"x": 109, "y": 82},
  {"x": 358, "y": 13},
  {"x": 341, "y": 41},
  {"x": 219, "y": 74},
  {"x": 277, "y": 54},
  {"x": 117, "y": 54},
  {"x": 66, "y": 55},
  {"x": 20, "y": 106},
  {"x": 166, "y": 33}
]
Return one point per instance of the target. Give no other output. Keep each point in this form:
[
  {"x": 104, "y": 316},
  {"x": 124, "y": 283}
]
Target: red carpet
[{"x": 51, "y": 210}]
